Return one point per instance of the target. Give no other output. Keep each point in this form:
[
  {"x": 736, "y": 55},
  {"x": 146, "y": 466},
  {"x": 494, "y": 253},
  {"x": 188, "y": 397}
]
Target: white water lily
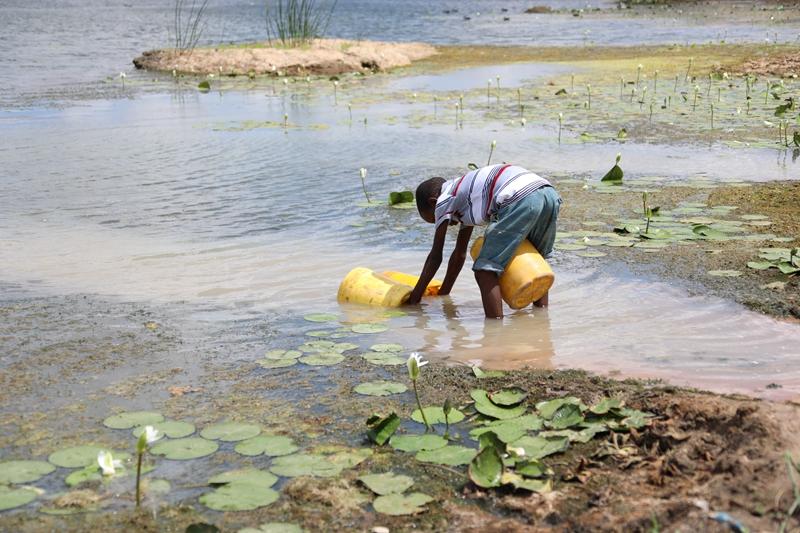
[
  {"x": 518, "y": 452},
  {"x": 363, "y": 172},
  {"x": 414, "y": 363},
  {"x": 107, "y": 463},
  {"x": 151, "y": 434}
]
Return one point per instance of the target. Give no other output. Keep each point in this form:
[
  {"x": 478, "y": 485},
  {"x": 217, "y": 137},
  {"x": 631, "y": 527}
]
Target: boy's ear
[{"x": 432, "y": 201}]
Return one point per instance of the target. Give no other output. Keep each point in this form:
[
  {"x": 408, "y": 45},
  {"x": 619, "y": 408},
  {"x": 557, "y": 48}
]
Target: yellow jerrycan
[
  {"x": 411, "y": 280},
  {"x": 390, "y": 289},
  {"x": 527, "y": 277}
]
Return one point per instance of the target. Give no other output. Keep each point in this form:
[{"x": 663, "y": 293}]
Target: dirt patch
[
  {"x": 324, "y": 56},
  {"x": 786, "y": 66}
]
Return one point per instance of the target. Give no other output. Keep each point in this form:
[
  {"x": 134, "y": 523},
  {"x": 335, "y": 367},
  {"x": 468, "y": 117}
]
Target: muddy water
[{"x": 209, "y": 202}]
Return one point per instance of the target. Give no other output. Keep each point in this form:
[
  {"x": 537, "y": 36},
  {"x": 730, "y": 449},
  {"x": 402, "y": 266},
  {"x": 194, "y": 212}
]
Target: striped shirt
[{"x": 476, "y": 196}]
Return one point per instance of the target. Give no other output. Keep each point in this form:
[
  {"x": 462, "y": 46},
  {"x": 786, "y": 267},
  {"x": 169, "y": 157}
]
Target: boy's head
[{"x": 427, "y": 193}]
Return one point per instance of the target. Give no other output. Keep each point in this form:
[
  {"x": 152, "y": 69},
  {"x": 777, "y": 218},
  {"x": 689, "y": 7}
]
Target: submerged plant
[
  {"x": 414, "y": 363},
  {"x": 363, "y": 173},
  {"x": 491, "y": 151},
  {"x": 148, "y": 436},
  {"x": 648, "y": 213},
  {"x": 446, "y": 408}
]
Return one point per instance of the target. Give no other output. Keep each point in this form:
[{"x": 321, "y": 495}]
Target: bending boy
[{"x": 515, "y": 203}]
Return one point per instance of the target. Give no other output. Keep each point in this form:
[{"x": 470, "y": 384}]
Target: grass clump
[{"x": 294, "y": 23}]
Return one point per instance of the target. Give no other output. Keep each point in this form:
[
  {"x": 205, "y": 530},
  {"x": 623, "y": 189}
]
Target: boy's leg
[
  {"x": 543, "y": 233},
  {"x": 490, "y": 293}
]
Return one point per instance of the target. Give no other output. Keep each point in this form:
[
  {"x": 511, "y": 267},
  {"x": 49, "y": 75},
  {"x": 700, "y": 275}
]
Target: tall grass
[
  {"x": 297, "y": 22},
  {"x": 188, "y": 24}
]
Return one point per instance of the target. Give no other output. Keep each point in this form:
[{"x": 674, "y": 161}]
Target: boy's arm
[
  {"x": 432, "y": 264},
  {"x": 456, "y": 259}
]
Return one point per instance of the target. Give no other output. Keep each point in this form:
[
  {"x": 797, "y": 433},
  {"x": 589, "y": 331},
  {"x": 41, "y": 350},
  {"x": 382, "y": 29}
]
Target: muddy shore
[{"x": 320, "y": 57}]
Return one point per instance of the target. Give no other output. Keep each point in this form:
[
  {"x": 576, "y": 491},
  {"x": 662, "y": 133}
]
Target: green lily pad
[
  {"x": 76, "y": 456},
  {"x": 283, "y": 354},
  {"x": 484, "y": 374},
  {"x": 567, "y": 415},
  {"x": 317, "y": 346},
  {"x": 341, "y": 347},
  {"x": 369, "y": 328},
  {"x": 724, "y": 273},
  {"x": 380, "y": 388},
  {"x": 250, "y": 476},
  {"x": 448, "y": 455},
  {"x": 761, "y": 265},
  {"x": 485, "y": 406},
  {"x": 567, "y": 247},
  {"x": 321, "y": 317},
  {"x": 174, "y": 429},
  {"x": 156, "y": 486},
  {"x": 754, "y": 217},
  {"x": 319, "y": 333},
  {"x": 274, "y": 527},
  {"x": 381, "y": 428},
  {"x": 486, "y": 468},
  {"x": 591, "y": 254},
  {"x": 387, "y": 483},
  {"x": 89, "y": 473},
  {"x": 271, "y": 445},
  {"x": 322, "y": 359},
  {"x": 509, "y": 430},
  {"x": 534, "y": 485},
  {"x": 386, "y": 347},
  {"x": 230, "y": 431},
  {"x": 508, "y": 397},
  {"x": 415, "y": 443},
  {"x": 635, "y": 419},
  {"x": 392, "y": 313},
  {"x": 133, "y": 419},
  {"x": 533, "y": 468},
  {"x": 548, "y": 408},
  {"x": 400, "y": 197},
  {"x": 435, "y": 415},
  {"x": 276, "y": 363},
  {"x": 605, "y": 405},
  {"x": 538, "y": 447},
  {"x": 185, "y": 449},
  {"x": 239, "y": 497},
  {"x": 348, "y": 457},
  {"x": 23, "y": 471},
  {"x": 11, "y": 498},
  {"x": 401, "y": 504},
  {"x": 384, "y": 358},
  {"x": 305, "y": 465}
]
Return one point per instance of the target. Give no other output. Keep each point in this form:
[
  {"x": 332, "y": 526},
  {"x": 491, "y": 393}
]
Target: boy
[{"x": 516, "y": 204}]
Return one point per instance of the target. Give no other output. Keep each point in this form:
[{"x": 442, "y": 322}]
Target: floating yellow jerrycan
[
  {"x": 390, "y": 289},
  {"x": 527, "y": 277}
]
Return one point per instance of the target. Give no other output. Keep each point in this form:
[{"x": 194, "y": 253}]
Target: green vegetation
[{"x": 297, "y": 22}]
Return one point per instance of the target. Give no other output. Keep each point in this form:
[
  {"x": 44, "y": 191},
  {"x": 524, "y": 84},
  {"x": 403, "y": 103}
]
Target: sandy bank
[{"x": 323, "y": 56}]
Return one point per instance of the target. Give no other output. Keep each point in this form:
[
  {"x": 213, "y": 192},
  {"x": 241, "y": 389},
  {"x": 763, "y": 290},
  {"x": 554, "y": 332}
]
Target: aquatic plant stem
[
  {"x": 139, "y": 479},
  {"x": 491, "y": 151},
  {"x": 419, "y": 405}
]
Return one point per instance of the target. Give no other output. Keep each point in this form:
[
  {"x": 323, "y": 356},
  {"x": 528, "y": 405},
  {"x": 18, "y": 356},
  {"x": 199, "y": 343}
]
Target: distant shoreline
[{"x": 321, "y": 57}]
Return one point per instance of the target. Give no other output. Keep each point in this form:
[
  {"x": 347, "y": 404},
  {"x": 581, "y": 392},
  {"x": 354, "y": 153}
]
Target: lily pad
[
  {"x": 387, "y": 483},
  {"x": 533, "y": 468},
  {"x": 725, "y": 273},
  {"x": 386, "y": 347},
  {"x": 89, "y": 473},
  {"x": 76, "y": 456},
  {"x": 349, "y": 457},
  {"x": 23, "y": 471},
  {"x": 381, "y": 428},
  {"x": 509, "y": 430},
  {"x": 605, "y": 405},
  {"x": 133, "y": 419},
  {"x": 508, "y": 397},
  {"x": 273, "y": 527},
  {"x": 322, "y": 359},
  {"x": 384, "y": 358},
  {"x": 380, "y": 388},
  {"x": 591, "y": 254},
  {"x": 305, "y": 465},
  {"x": 185, "y": 449},
  {"x": 321, "y": 317},
  {"x": 11, "y": 498},
  {"x": 156, "y": 486},
  {"x": 484, "y": 374},
  {"x": 760, "y": 265},
  {"x": 250, "y": 476},
  {"x": 283, "y": 354},
  {"x": 548, "y": 408},
  {"x": 341, "y": 347},
  {"x": 319, "y": 333},
  {"x": 401, "y": 504},
  {"x": 486, "y": 469},
  {"x": 534, "y": 485},
  {"x": 538, "y": 447},
  {"x": 271, "y": 445},
  {"x": 276, "y": 363},
  {"x": 485, "y": 406},
  {"x": 173, "y": 429},
  {"x": 317, "y": 346},
  {"x": 239, "y": 497},
  {"x": 230, "y": 431},
  {"x": 567, "y": 415},
  {"x": 415, "y": 443},
  {"x": 369, "y": 328},
  {"x": 435, "y": 415},
  {"x": 448, "y": 455}
]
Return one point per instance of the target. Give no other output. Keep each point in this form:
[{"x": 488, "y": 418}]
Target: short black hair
[{"x": 426, "y": 189}]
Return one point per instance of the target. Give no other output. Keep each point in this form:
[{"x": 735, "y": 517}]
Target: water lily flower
[
  {"x": 414, "y": 363},
  {"x": 518, "y": 452},
  {"x": 363, "y": 172},
  {"x": 151, "y": 434},
  {"x": 107, "y": 463}
]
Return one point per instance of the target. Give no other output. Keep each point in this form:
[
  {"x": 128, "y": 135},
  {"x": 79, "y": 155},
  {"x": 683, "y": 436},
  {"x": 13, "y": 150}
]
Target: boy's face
[{"x": 428, "y": 215}]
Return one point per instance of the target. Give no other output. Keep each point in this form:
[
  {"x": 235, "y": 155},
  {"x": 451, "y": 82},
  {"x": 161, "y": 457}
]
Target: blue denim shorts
[{"x": 532, "y": 217}]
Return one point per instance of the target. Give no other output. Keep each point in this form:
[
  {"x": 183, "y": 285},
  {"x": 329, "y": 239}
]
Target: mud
[{"x": 321, "y": 57}]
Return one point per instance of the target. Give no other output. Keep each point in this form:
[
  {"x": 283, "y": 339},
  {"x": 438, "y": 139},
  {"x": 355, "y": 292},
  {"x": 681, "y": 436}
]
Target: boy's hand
[{"x": 432, "y": 263}]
